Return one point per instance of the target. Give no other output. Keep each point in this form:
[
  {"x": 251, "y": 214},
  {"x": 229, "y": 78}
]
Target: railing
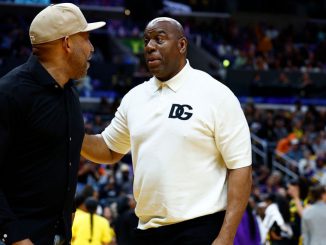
[
  {"x": 286, "y": 165},
  {"x": 259, "y": 150},
  {"x": 283, "y": 163}
]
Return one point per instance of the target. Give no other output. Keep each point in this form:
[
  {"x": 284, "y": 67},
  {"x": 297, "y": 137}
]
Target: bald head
[
  {"x": 175, "y": 27},
  {"x": 165, "y": 47}
]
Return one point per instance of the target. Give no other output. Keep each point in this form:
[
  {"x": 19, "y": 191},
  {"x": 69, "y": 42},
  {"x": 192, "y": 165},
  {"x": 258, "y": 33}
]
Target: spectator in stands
[
  {"x": 297, "y": 128},
  {"x": 298, "y": 191},
  {"x": 124, "y": 179},
  {"x": 283, "y": 85},
  {"x": 295, "y": 152},
  {"x": 90, "y": 228},
  {"x": 298, "y": 114},
  {"x": 98, "y": 125},
  {"x": 87, "y": 173},
  {"x": 127, "y": 221},
  {"x": 248, "y": 230},
  {"x": 283, "y": 145},
  {"x": 307, "y": 165},
  {"x": 284, "y": 80},
  {"x": 257, "y": 84},
  {"x": 184, "y": 142},
  {"x": 319, "y": 144},
  {"x": 84, "y": 86},
  {"x": 306, "y": 87},
  {"x": 273, "y": 182},
  {"x": 320, "y": 168},
  {"x": 42, "y": 130},
  {"x": 109, "y": 190},
  {"x": 276, "y": 220},
  {"x": 267, "y": 129},
  {"x": 90, "y": 191},
  {"x": 104, "y": 107},
  {"x": 250, "y": 111},
  {"x": 280, "y": 131},
  {"x": 314, "y": 218}
]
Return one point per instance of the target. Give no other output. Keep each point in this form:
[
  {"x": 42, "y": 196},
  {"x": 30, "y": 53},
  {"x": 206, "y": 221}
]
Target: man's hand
[
  {"x": 24, "y": 242},
  {"x": 294, "y": 191}
]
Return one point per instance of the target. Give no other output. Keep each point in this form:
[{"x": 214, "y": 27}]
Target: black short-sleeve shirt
[{"x": 41, "y": 133}]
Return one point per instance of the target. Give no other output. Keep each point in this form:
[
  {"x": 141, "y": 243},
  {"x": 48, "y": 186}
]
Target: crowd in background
[
  {"x": 279, "y": 208},
  {"x": 260, "y": 46},
  {"x": 296, "y": 55}
]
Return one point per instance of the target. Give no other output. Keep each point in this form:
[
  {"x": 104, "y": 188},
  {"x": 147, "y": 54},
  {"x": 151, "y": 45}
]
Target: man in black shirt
[{"x": 41, "y": 129}]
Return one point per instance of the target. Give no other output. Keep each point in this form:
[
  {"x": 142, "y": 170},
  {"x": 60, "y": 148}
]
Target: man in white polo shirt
[{"x": 190, "y": 146}]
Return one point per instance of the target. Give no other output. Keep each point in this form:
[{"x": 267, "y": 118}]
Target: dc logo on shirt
[{"x": 180, "y": 111}]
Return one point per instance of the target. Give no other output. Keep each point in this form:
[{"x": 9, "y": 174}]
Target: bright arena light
[
  {"x": 226, "y": 63},
  {"x": 127, "y": 12}
]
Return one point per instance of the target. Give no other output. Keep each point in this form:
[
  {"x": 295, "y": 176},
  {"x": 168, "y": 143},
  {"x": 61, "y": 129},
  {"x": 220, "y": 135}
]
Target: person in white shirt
[{"x": 190, "y": 147}]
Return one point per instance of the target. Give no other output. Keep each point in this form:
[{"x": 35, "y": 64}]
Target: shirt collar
[
  {"x": 175, "y": 82},
  {"x": 41, "y": 74}
]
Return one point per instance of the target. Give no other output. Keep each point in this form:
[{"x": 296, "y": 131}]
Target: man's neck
[{"x": 57, "y": 72}]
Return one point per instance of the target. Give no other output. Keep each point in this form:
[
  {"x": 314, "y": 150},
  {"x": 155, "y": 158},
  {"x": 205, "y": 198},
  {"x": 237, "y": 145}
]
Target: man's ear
[
  {"x": 66, "y": 44},
  {"x": 182, "y": 45}
]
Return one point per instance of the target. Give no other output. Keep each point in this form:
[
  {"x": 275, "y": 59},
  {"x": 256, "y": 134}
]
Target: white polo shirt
[{"x": 183, "y": 135}]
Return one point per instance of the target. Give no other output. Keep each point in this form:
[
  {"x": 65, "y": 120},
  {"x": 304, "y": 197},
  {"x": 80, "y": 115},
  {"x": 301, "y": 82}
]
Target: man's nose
[
  {"x": 150, "y": 46},
  {"x": 92, "y": 47}
]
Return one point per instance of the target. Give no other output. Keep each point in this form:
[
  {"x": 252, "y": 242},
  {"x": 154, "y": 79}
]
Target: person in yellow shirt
[{"x": 89, "y": 228}]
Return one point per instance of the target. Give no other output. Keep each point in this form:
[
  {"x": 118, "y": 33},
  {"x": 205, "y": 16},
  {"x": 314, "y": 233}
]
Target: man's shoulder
[
  {"x": 314, "y": 210},
  {"x": 204, "y": 77},
  {"x": 13, "y": 78},
  {"x": 212, "y": 89}
]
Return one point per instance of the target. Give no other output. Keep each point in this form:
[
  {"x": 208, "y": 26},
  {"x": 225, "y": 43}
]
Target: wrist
[
  {"x": 223, "y": 240},
  {"x": 226, "y": 237}
]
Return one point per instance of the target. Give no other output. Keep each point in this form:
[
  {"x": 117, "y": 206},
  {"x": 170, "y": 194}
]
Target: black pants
[{"x": 199, "y": 231}]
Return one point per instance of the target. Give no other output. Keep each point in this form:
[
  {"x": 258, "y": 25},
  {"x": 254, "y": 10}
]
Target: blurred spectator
[
  {"x": 319, "y": 144},
  {"x": 298, "y": 191},
  {"x": 284, "y": 145},
  {"x": 280, "y": 131},
  {"x": 90, "y": 228},
  {"x": 104, "y": 107},
  {"x": 295, "y": 152},
  {"x": 109, "y": 191},
  {"x": 314, "y": 218},
  {"x": 127, "y": 221},
  {"x": 284, "y": 80},
  {"x": 87, "y": 173},
  {"x": 306, "y": 88},
  {"x": 98, "y": 124},
  {"x": 124, "y": 179},
  {"x": 248, "y": 230},
  {"x": 89, "y": 191},
  {"x": 276, "y": 221},
  {"x": 84, "y": 86},
  {"x": 320, "y": 169}
]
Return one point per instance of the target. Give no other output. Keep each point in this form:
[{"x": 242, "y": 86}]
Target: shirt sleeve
[
  {"x": 232, "y": 133},
  {"x": 116, "y": 135},
  {"x": 10, "y": 228}
]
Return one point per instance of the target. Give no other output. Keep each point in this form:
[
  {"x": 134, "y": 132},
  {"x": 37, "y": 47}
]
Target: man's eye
[{"x": 159, "y": 40}]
